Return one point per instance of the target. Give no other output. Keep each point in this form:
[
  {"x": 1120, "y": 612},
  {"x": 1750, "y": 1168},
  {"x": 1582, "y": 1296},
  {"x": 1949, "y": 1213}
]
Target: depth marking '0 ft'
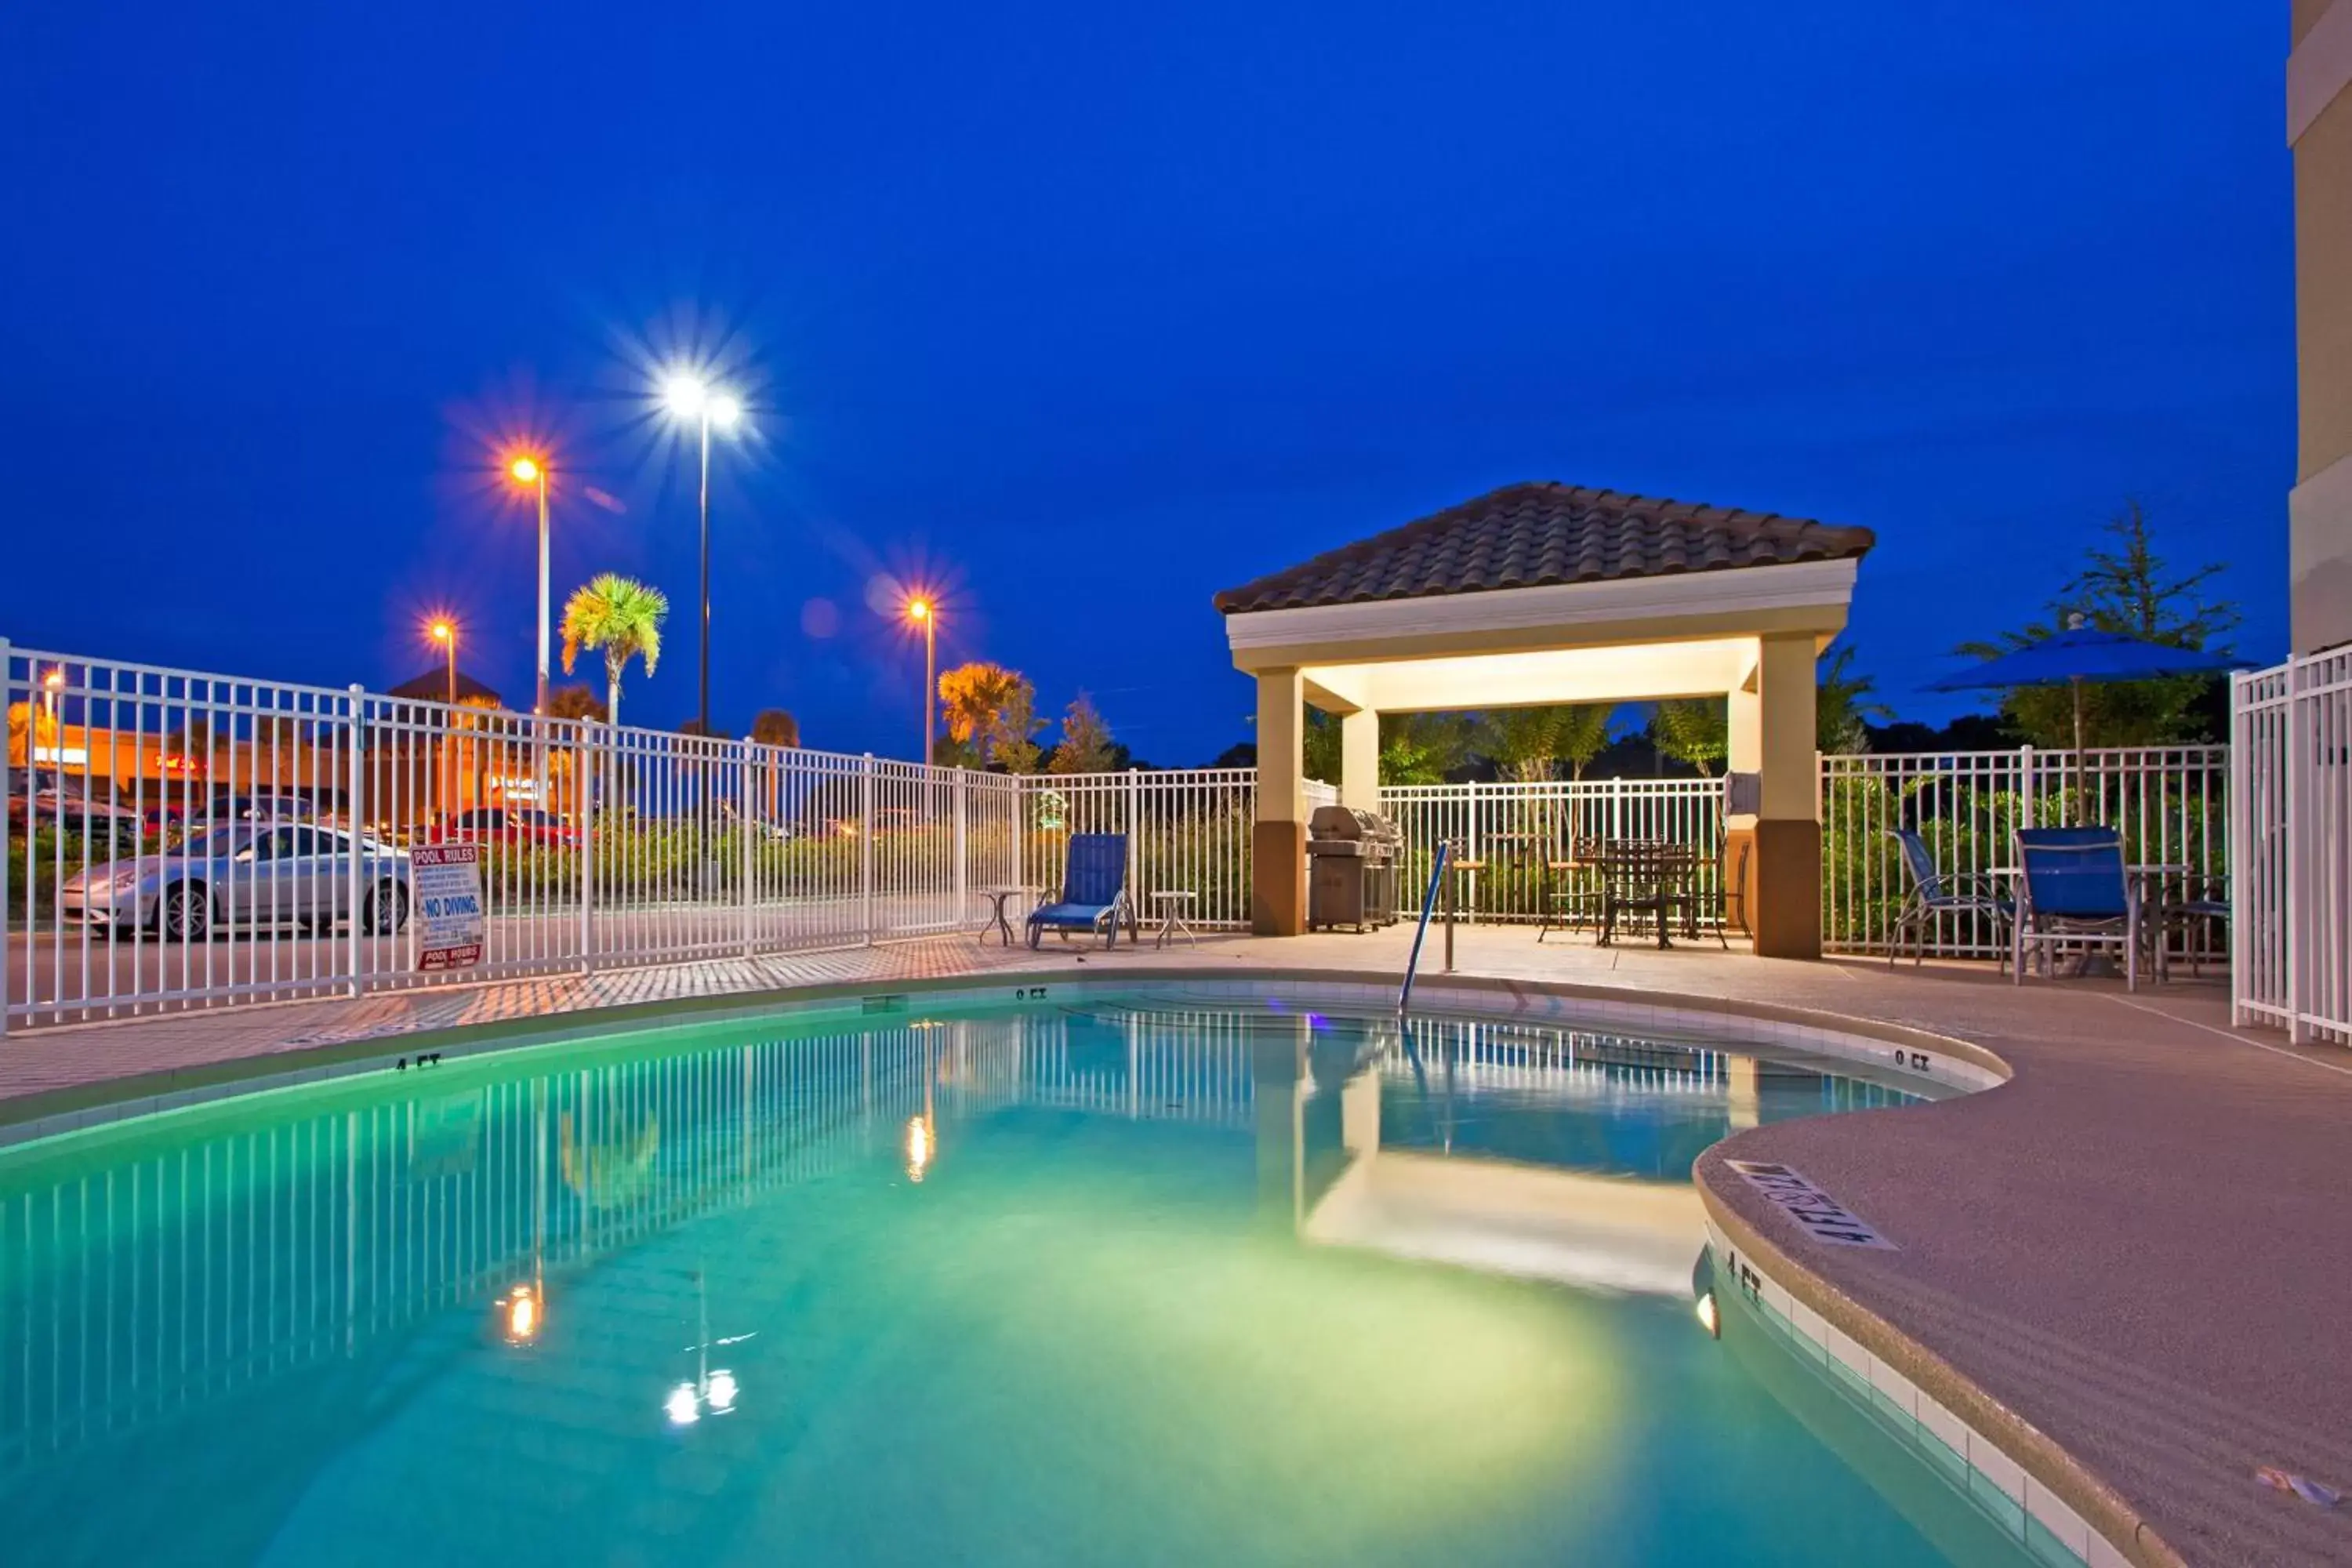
[{"x": 1821, "y": 1217}]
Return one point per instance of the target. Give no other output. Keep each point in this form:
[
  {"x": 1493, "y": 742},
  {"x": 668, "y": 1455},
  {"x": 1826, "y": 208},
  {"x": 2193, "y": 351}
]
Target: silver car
[{"x": 244, "y": 874}]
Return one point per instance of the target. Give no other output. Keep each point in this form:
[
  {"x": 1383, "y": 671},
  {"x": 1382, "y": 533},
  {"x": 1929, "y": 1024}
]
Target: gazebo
[{"x": 1541, "y": 593}]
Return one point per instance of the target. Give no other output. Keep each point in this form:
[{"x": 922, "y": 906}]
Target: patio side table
[
  {"x": 999, "y": 897},
  {"x": 1173, "y": 904}
]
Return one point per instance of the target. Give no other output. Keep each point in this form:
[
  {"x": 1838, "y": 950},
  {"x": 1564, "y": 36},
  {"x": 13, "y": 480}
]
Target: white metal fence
[
  {"x": 2291, "y": 846},
  {"x": 2168, "y": 803},
  {"x": 1510, "y": 837},
  {"x": 606, "y": 846},
  {"x": 179, "y": 839}
]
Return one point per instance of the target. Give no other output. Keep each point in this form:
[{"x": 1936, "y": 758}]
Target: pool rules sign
[{"x": 448, "y": 885}]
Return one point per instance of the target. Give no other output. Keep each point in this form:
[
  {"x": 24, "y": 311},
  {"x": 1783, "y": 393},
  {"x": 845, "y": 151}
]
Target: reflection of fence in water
[{"x": 231, "y": 1260}]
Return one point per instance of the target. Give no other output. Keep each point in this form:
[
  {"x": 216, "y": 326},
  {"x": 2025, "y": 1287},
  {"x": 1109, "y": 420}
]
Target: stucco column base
[
  {"x": 1278, "y": 878},
  {"x": 1738, "y": 873},
  {"x": 1787, "y": 915}
]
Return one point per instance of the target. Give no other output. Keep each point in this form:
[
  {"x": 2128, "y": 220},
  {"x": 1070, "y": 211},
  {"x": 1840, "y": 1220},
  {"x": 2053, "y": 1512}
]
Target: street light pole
[
  {"x": 532, "y": 471},
  {"x": 690, "y": 397},
  {"x": 920, "y": 609},
  {"x": 545, "y": 607},
  {"x": 704, "y": 423}
]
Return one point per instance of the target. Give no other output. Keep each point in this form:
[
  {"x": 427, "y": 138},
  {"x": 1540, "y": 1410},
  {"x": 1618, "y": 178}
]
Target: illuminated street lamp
[
  {"x": 689, "y": 397},
  {"x": 924, "y": 612},
  {"x": 531, "y": 472},
  {"x": 442, "y": 632},
  {"x": 51, "y": 684}
]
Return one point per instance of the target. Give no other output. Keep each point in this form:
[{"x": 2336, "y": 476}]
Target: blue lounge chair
[
  {"x": 1094, "y": 891},
  {"x": 2075, "y": 892},
  {"x": 1933, "y": 894}
]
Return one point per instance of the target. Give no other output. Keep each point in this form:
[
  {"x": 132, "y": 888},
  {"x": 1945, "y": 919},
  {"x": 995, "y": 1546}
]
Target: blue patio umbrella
[{"x": 2083, "y": 655}]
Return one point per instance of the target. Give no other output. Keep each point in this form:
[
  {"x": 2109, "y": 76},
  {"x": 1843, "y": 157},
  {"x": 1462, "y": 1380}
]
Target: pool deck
[{"x": 2138, "y": 1248}]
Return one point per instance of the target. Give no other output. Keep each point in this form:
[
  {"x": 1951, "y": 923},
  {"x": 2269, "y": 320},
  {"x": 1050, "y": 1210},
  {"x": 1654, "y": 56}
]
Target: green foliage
[
  {"x": 1423, "y": 748},
  {"x": 990, "y": 712},
  {"x": 1694, "y": 730},
  {"x": 574, "y": 702},
  {"x": 775, "y": 727},
  {"x": 2125, "y": 587},
  {"x": 1320, "y": 744},
  {"x": 1843, "y": 707},
  {"x": 619, "y": 618},
  {"x": 1085, "y": 743},
  {"x": 1529, "y": 743}
]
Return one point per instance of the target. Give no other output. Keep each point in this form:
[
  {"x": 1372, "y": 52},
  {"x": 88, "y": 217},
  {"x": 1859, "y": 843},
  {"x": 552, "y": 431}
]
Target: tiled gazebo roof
[{"x": 1530, "y": 535}]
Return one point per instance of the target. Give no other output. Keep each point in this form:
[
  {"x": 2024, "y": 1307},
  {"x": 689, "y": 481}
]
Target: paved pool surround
[{"x": 2115, "y": 1272}]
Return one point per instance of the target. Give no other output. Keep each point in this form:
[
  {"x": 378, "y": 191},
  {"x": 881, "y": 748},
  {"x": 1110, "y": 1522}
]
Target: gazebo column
[
  {"x": 1745, "y": 755},
  {"x": 1359, "y": 759},
  {"x": 1787, "y": 912},
  {"x": 1278, "y": 842}
]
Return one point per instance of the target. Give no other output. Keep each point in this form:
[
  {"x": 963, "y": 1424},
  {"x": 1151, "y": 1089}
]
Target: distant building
[{"x": 2319, "y": 128}]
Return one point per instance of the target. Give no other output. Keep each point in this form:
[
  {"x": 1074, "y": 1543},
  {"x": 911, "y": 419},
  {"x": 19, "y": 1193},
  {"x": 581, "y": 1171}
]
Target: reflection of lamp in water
[
  {"x": 684, "y": 1406},
  {"x": 920, "y": 1147},
  {"x": 523, "y": 1312},
  {"x": 721, "y": 1390}
]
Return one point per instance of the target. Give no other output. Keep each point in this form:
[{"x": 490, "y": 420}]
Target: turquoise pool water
[{"x": 1012, "y": 1288}]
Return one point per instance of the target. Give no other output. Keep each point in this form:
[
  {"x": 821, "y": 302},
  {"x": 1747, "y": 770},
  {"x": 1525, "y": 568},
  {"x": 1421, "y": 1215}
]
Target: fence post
[
  {"x": 1134, "y": 844},
  {"x": 354, "y": 787},
  {"x": 588, "y": 832},
  {"x": 2297, "y": 823},
  {"x": 743, "y": 828},
  {"x": 2025, "y": 792},
  {"x": 2238, "y": 863},
  {"x": 959, "y": 851},
  {"x": 866, "y": 847}
]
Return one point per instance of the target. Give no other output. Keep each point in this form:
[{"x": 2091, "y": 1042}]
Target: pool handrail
[{"x": 1428, "y": 907}]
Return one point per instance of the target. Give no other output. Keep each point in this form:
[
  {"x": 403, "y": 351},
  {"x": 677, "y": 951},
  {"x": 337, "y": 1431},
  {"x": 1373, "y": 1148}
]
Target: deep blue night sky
[{"x": 1097, "y": 309}]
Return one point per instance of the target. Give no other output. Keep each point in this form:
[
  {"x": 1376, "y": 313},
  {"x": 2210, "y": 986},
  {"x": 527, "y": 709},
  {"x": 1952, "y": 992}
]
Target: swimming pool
[{"x": 1129, "y": 1283}]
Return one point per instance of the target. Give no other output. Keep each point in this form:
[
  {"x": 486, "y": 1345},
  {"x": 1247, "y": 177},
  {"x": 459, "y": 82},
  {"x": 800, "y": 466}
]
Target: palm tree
[{"x": 619, "y": 618}]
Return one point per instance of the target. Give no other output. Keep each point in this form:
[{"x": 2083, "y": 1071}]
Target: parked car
[
  {"x": 91, "y": 819},
  {"x": 177, "y": 810},
  {"x": 506, "y": 825},
  {"x": 236, "y": 874}
]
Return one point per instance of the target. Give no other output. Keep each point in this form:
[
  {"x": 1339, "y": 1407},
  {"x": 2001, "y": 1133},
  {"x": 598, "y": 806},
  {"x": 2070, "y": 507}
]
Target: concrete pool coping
[{"x": 2015, "y": 1212}]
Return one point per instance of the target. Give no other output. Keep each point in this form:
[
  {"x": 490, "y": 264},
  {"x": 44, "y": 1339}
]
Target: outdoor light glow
[
  {"x": 722, "y": 1390},
  {"x": 686, "y": 394},
  {"x": 724, "y": 411},
  {"x": 1707, "y": 1319},
  {"x": 683, "y": 1407},
  {"x": 919, "y": 609},
  {"x": 918, "y": 1147},
  {"x": 522, "y": 1315},
  {"x": 55, "y": 680},
  {"x": 525, "y": 470},
  {"x": 440, "y": 630}
]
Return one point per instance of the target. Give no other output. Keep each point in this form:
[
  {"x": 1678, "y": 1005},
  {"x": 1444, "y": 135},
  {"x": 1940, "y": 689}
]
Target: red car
[{"x": 506, "y": 825}]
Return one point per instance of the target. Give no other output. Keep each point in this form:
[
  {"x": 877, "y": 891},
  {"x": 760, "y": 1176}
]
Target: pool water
[{"x": 1036, "y": 1286}]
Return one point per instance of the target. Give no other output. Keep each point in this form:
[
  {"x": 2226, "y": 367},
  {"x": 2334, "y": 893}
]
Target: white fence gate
[{"x": 2291, "y": 847}]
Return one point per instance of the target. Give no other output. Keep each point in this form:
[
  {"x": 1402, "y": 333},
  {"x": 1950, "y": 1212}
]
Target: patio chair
[
  {"x": 1933, "y": 895},
  {"x": 1094, "y": 891},
  {"x": 2209, "y": 902},
  {"x": 2075, "y": 892}
]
